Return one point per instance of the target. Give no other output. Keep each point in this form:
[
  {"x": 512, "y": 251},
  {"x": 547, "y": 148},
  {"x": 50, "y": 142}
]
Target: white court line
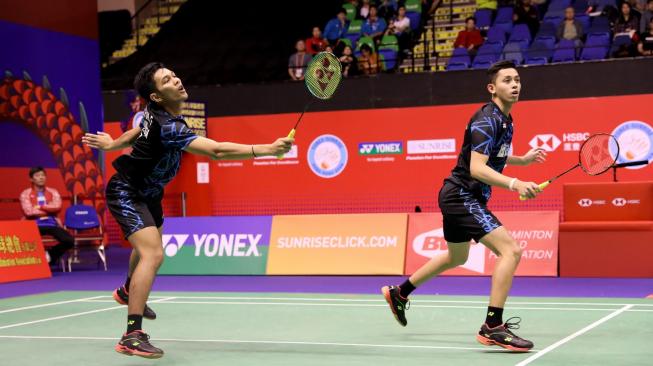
[
  {"x": 417, "y": 301},
  {"x": 50, "y": 304},
  {"x": 73, "y": 315},
  {"x": 570, "y": 337},
  {"x": 236, "y": 341},
  {"x": 363, "y": 305}
]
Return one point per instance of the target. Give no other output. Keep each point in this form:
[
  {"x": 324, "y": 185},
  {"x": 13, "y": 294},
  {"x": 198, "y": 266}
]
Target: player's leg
[
  {"x": 147, "y": 242},
  {"x": 397, "y": 296},
  {"x": 494, "y": 331}
]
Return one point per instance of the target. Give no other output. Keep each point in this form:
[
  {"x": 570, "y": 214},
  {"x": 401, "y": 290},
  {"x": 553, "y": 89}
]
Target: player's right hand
[
  {"x": 527, "y": 189},
  {"x": 101, "y": 141},
  {"x": 282, "y": 145}
]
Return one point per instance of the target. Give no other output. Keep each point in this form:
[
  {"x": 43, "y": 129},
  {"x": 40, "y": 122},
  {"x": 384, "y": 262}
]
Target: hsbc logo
[
  {"x": 619, "y": 202},
  {"x": 584, "y": 202},
  {"x": 547, "y": 142}
]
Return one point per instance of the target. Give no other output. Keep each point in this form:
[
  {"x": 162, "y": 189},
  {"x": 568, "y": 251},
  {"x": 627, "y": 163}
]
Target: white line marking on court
[
  {"x": 416, "y": 301},
  {"x": 74, "y": 315},
  {"x": 363, "y": 305},
  {"x": 570, "y": 337},
  {"x": 50, "y": 304},
  {"x": 270, "y": 342}
]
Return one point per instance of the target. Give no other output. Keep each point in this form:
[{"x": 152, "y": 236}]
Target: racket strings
[
  {"x": 596, "y": 156},
  {"x": 323, "y": 75}
]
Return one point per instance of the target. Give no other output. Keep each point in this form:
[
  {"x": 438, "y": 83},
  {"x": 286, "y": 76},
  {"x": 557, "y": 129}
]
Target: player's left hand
[
  {"x": 101, "y": 141},
  {"x": 537, "y": 155},
  {"x": 281, "y": 145}
]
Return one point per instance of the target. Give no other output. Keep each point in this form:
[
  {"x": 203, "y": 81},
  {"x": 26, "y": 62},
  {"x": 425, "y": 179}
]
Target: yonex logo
[
  {"x": 546, "y": 142},
  {"x": 585, "y": 202},
  {"x": 619, "y": 202}
]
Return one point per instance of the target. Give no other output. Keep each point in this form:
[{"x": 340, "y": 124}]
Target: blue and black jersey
[
  {"x": 154, "y": 160},
  {"x": 489, "y": 132}
]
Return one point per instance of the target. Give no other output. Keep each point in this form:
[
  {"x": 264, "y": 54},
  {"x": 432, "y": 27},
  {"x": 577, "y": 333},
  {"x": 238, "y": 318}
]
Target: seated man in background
[
  {"x": 42, "y": 204},
  {"x": 470, "y": 37}
]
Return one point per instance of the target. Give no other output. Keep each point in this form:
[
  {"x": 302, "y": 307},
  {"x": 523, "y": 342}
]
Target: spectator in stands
[
  {"x": 336, "y": 27},
  {"x": 348, "y": 62},
  {"x": 636, "y": 7},
  {"x": 317, "y": 43},
  {"x": 298, "y": 61},
  {"x": 400, "y": 27},
  {"x": 627, "y": 22},
  {"x": 645, "y": 46},
  {"x": 527, "y": 14},
  {"x": 374, "y": 26},
  {"x": 364, "y": 10},
  {"x": 571, "y": 29},
  {"x": 387, "y": 9},
  {"x": 470, "y": 37},
  {"x": 368, "y": 61},
  {"x": 42, "y": 204},
  {"x": 647, "y": 15}
]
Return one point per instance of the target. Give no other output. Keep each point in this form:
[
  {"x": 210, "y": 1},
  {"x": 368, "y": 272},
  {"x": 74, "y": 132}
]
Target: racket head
[
  {"x": 323, "y": 75},
  {"x": 598, "y": 153}
]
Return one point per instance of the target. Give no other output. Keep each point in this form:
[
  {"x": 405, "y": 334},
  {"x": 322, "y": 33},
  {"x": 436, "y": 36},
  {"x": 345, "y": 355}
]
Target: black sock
[
  {"x": 127, "y": 282},
  {"x": 406, "y": 288},
  {"x": 134, "y": 322},
  {"x": 494, "y": 317}
]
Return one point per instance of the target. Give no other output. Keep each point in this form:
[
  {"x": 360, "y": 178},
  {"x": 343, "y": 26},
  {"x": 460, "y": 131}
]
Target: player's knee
[
  {"x": 516, "y": 251},
  {"x": 458, "y": 259}
]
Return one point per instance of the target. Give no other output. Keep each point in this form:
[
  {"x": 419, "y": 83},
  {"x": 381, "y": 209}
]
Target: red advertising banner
[
  {"x": 536, "y": 232},
  {"x": 391, "y": 160},
  {"x": 21, "y": 252}
]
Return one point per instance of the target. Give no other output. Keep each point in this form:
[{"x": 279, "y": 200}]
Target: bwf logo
[
  {"x": 585, "y": 202},
  {"x": 546, "y": 142}
]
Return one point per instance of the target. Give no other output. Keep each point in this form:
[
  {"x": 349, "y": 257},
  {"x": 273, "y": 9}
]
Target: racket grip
[
  {"x": 541, "y": 185},
  {"x": 291, "y": 135}
]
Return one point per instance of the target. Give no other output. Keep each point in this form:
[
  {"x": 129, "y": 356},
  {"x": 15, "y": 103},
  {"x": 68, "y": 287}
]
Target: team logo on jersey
[
  {"x": 635, "y": 142},
  {"x": 327, "y": 156}
]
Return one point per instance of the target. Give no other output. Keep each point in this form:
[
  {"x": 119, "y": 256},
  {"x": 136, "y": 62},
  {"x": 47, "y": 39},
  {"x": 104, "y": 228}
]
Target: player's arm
[
  {"x": 103, "y": 141},
  {"x": 479, "y": 170},
  {"x": 233, "y": 151},
  {"x": 536, "y": 155}
]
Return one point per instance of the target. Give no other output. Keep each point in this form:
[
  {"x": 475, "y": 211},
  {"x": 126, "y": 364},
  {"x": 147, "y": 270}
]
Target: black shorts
[
  {"x": 131, "y": 210},
  {"x": 464, "y": 216}
]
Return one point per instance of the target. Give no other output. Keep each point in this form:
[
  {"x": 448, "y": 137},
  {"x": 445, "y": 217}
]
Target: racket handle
[
  {"x": 291, "y": 135},
  {"x": 542, "y": 186}
]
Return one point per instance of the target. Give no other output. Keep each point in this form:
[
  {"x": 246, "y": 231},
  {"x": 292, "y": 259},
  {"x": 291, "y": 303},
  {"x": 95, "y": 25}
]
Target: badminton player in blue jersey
[
  {"x": 463, "y": 201},
  {"x": 135, "y": 192}
]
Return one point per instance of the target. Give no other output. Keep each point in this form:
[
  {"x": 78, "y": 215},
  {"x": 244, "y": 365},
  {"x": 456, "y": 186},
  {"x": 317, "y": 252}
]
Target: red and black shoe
[
  {"x": 137, "y": 343},
  {"x": 122, "y": 297},
  {"x": 397, "y": 303},
  {"x": 503, "y": 337}
]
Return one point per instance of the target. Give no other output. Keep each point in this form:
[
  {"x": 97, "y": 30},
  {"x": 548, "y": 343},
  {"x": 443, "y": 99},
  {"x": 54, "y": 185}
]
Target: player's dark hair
[
  {"x": 144, "y": 80},
  {"x": 35, "y": 170},
  {"x": 498, "y": 66}
]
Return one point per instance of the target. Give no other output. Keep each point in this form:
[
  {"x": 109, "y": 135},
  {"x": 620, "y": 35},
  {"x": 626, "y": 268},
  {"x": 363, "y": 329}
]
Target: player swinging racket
[
  {"x": 463, "y": 199},
  {"x": 135, "y": 192}
]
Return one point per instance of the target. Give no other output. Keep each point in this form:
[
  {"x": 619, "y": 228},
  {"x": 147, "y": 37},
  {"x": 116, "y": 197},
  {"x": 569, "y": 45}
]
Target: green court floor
[{"x": 81, "y": 328}]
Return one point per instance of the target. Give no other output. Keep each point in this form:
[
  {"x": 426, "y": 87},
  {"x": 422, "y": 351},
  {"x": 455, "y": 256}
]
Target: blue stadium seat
[
  {"x": 580, "y": 6},
  {"x": 513, "y": 52},
  {"x": 564, "y": 51},
  {"x": 547, "y": 29},
  {"x": 520, "y": 33},
  {"x": 504, "y": 19},
  {"x": 541, "y": 51},
  {"x": 584, "y": 19},
  {"x": 460, "y": 51},
  {"x": 559, "y": 4},
  {"x": 596, "y": 47},
  {"x": 496, "y": 34},
  {"x": 483, "y": 18},
  {"x": 481, "y": 64}
]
